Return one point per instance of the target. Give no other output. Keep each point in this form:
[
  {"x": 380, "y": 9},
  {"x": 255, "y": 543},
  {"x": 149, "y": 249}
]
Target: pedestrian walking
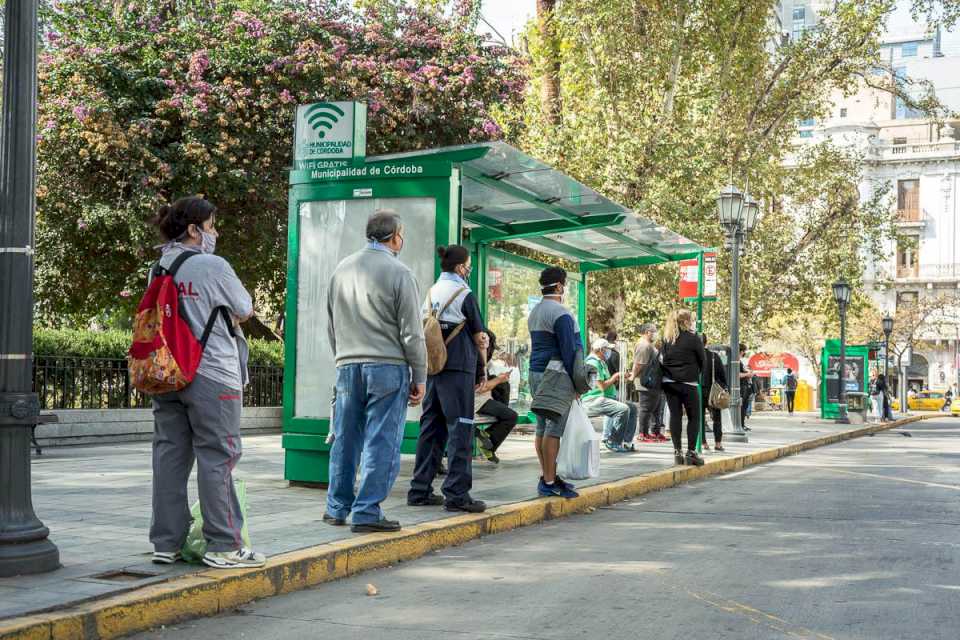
[
  {"x": 746, "y": 389},
  {"x": 712, "y": 372},
  {"x": 649, "y": 400},
  {"x": 376, "y": 334},
  {"x": 683, "y": 363},
  {"x": 555, "y": 346},
  {"x": 620, "y": 418},
  {"x": 447, "y": 422},
  {"x": 881, "y": 393},
  {"x": 201, "y": 421},
  {"x": 790, "y": 389}
]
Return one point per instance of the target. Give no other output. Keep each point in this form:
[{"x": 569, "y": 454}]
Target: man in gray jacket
[{"x": 376, "y": 332}]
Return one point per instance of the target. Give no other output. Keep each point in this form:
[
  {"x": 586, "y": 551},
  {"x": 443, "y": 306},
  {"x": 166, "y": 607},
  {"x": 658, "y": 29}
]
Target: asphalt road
[{"x": 858, "y": 540}]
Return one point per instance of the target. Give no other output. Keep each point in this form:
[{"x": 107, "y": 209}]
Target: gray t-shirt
[{"x": 206, "y": 282}]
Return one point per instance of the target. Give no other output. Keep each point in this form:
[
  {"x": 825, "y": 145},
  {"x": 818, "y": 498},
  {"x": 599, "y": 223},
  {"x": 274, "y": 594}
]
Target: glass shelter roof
[{"x": 509, "y": 196}]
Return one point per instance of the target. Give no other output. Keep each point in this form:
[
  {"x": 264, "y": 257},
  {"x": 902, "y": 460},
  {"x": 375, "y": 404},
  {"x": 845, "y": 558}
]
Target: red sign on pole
[{"x": 690, "y": 276}]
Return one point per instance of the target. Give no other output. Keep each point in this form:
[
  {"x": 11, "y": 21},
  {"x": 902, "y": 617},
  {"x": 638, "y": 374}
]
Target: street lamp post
[
  {"x": 738, "y": 217},
  {"x": 24, "y": 547},
  {"x": 841, "y": 293}
]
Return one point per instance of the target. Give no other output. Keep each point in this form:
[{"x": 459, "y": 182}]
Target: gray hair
[
  {"x": 383, "y": 225},
  {"x": 647, "y": 327}
]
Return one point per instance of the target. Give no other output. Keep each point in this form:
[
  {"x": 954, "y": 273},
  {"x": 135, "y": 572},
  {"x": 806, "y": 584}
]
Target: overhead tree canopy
[
  {"x": 147, "y": 101},
  {"x": 662, "y": 103}
]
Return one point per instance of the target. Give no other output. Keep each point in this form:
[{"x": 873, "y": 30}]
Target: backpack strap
[
  {"x": 178, "y": 262},
  {"x": 450, "y": 301},
  {"x": 218, "y": 312}
]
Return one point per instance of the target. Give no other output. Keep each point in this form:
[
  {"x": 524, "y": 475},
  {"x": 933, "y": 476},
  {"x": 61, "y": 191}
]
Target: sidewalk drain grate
[{"x": 124, "y": 576}]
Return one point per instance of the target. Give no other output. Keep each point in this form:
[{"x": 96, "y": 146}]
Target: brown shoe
[{"x": 718, "y": 447}]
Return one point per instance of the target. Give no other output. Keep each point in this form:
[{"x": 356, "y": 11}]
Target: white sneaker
[
  {"x": 239, "y": 559},
  {"x": 165, "y": 557}
]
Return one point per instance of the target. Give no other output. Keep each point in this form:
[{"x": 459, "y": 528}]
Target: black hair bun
[{"x": 442, "y": 252}]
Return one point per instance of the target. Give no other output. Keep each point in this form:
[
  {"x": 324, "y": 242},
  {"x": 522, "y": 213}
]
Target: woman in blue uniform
[{"x": 447, "y": 420}]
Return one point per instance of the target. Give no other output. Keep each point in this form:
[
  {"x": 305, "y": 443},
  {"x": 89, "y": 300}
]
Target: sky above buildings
[{"x": 509, "y": 17}]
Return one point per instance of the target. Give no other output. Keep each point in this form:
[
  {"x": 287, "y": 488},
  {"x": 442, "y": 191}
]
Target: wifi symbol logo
[{"x": 323, "y": 115}]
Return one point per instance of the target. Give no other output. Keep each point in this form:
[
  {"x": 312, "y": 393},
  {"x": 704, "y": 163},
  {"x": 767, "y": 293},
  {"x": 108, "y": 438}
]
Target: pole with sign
[{"x": 698, "y": 282}]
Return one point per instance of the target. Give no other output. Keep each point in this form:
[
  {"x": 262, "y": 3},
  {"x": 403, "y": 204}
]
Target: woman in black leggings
[{"x": 683, "y": 362}]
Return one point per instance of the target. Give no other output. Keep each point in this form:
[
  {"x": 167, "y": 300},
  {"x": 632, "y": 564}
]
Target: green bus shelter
[{"x": 476, "y": 195}]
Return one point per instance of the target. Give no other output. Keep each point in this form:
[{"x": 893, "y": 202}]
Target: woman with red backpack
[{"x": 202, "y": 419}]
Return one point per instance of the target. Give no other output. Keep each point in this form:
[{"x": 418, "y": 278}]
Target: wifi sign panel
[{"x": 330, "y": 131}]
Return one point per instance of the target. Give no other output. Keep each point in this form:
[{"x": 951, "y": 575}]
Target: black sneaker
[
  {"x": 382, "y": 526},
  {"x": 471, "y": 506},
  {"x": 694, "y": 459},
  {"x": 678, "y": 456},
  {"x": 333, "y": 521},
  {"x": 432, "y": 500}
]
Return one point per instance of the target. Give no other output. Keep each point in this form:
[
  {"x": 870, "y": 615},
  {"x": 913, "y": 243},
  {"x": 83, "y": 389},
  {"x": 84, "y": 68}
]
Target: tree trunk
[{"x": 550, "y": 82}]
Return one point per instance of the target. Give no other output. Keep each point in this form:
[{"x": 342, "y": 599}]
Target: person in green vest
[{"x": 620, "y": 418}]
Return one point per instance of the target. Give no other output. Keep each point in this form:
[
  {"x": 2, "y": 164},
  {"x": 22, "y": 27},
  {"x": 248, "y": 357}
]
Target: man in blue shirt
[{"x": 554, "y": 343}]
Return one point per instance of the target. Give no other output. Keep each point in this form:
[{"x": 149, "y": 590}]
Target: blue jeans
[
  {"x": 620, "y": 418},
  {"x": 368, "y": 420}
]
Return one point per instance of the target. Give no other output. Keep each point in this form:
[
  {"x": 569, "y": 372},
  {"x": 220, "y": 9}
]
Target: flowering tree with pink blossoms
[{"x": 141, "y": 102}]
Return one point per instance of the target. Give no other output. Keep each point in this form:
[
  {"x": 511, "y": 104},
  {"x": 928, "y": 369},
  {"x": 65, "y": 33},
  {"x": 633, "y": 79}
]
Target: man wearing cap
[{"x": 620, "y": 418}]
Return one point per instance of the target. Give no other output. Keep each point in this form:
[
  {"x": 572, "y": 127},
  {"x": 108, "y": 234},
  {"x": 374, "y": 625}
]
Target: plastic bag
[
  {"x": 579, "y": 455},
  {"x": 195, "y": 545}
]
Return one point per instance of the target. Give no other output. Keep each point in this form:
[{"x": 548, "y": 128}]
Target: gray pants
[
  {"x": 620, "y": 423},
  {"x": 202, "y": 421},
  {"x": 649, "y": 404}
]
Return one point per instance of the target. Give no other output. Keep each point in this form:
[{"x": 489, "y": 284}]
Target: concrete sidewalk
[{"x": 96, "y": 502}]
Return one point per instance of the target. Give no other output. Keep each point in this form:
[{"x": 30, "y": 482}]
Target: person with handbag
[
  {"x": 683, "y": 361},
  {"x": 447, "y": 421},
  {"x": 718, "y": 397}
]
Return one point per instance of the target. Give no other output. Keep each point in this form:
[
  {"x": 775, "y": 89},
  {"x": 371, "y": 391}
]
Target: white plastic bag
[{"x": 579, "y": 455}]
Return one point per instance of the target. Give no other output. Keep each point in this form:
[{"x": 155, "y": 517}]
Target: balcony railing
[
  {"x": 910, "y": 271},
  {"x": 910, "y": 215},
  {"x": 950, "y": 148}
]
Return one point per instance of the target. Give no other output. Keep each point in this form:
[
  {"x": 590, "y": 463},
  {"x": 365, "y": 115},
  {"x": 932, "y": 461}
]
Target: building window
[
  {"x": 904, "y": 112},
  {"x": 908, "y": 257},
  {"x": 843, "y": 112},
  {"x": 908, "y": 50},
  {"x": 799, "y": 13},
  {"x": 908, "y": 200},
  {"x": 809, "y": 122},
  {"x": 900, "y": 73},
  {"x": 907, "y": 298},
  {"x": 806, "y": 133},
  {"x": 900, "y": 140}
]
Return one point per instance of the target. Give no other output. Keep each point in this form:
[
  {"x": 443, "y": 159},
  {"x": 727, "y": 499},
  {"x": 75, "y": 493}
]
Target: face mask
[
  {"x": 208, "y": 242},
  {"x": 606, "y": 354},
  {"x": 466, "y": 272}
]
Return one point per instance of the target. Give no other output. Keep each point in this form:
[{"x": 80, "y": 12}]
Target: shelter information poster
[{"x": 853, "y": 377}]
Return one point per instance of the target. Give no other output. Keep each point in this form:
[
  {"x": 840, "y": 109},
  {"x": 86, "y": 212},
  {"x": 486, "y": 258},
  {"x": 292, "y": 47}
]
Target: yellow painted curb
[{"x": 210, "y": 592}]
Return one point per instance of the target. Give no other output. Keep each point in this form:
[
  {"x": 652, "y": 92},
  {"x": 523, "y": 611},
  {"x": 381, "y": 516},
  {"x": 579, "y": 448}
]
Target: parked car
[{"x": 923, "y": 401}]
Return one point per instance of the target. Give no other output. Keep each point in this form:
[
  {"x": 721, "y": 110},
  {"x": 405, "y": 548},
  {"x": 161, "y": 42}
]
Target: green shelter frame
[{"x": 476, "y": 195}]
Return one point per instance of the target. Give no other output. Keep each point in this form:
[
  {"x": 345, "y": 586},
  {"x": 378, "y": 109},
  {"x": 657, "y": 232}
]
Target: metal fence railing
[{"x": 66, "y": 382}]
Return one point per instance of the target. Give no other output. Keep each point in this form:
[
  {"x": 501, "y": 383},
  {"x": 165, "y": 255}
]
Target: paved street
[
  {"x": 856, "y": 540},
  {"x": 96, "y": 502}
]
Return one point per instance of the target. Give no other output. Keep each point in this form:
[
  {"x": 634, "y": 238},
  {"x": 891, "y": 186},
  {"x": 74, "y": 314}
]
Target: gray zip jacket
[{"x": 373, "y": 313}]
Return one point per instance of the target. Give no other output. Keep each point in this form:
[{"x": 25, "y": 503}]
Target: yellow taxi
[
  {"x": 955, "y": 407},
  {"x": 925, "y": 401}
]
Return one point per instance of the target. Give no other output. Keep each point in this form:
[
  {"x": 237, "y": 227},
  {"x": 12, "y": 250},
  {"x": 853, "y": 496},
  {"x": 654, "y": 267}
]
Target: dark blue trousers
[{"x": 447, "y": 422}]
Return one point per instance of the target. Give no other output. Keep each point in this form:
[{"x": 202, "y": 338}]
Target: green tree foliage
[
  {"x": 662, "y": 103},
  {"x": 141, "y": 102}
]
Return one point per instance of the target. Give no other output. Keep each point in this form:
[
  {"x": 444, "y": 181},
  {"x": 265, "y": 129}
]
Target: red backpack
[{"x": 165, "y": 354}]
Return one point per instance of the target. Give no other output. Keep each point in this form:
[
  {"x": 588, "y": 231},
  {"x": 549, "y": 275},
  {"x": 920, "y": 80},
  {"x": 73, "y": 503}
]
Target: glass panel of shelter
[{"x": 330, "y": 230}]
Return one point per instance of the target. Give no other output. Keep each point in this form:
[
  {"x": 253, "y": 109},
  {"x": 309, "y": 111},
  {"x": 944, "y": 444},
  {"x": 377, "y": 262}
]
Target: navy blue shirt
[{"x": 462, "y": 351}]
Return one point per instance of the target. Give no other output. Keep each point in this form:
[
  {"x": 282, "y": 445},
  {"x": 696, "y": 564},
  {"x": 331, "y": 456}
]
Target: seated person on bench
[{"x": 490, "y": 435}]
